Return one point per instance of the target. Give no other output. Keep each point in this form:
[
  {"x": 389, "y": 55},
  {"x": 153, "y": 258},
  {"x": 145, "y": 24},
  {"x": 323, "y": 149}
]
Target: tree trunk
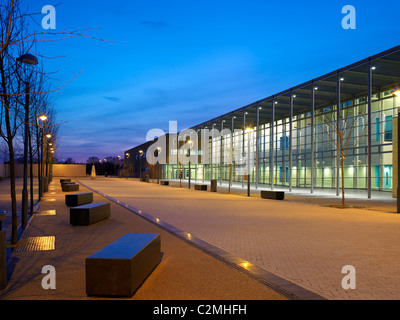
[
  {"x": 342, "y": 165},
  {"x": 14, "y": 227},
  {"x": 31, "y": 171},
  {"x": 39, "y": 153},
  {"x": 230, "y": 177},
  {"x": 14, "y": 219}
]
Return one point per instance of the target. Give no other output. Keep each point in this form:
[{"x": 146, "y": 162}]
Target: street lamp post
[
  {"x": 29, "y": 60},
  {"x": 158, "y": 164},
  {"x": 140, "y": 164},
  {"x": 42, "y": 118},
  {"x": 49, "y": 168},
  {"x": 48, "y": 137},
  {"x": 127, "y": 155},
  {"x": 118, "y": 165}
]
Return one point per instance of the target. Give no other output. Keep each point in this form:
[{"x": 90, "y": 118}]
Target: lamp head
[
  {"x": 28, "y": 58},
  {"x": 396, "y": 92},
  {"x": 42, "y": 117}
]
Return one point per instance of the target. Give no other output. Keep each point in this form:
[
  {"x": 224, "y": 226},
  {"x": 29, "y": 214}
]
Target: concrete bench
[
  {"x": 89, "y": 214},
  {"x": 164, "y": 183},
  {"x": 202, "y": 187},
  {"x": 68, "y": 187},
  {"x": 65, "y": 180},
  {"x": 120, "y": 268},
  {"x": 274, "y": 195},
  {"x": 78, "y": 199}
]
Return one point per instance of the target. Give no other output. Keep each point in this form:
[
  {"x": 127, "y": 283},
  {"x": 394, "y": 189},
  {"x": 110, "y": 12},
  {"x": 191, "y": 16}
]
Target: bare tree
[
  {"x": 15, "y": 37},
  {"x": 10, "y": 87},
  {"x": 344, "y": 137}
]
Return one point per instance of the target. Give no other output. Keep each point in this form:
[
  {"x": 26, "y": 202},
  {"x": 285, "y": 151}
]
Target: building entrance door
[{"x": 387, "y": 183}]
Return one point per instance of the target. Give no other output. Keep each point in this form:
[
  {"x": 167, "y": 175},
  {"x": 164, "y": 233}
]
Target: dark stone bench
[
  {"x": 78, "y": 199},
  {"x": 202, "y": 187},
  {"x": 164, "y": 183},
  {"x": 89, "y": 214},
  {"x": 65, "y": 180},
  {"x": 121, "y": 267},
  {"x": 274, "y": 195},
  {"x": 68, "y": 187}
]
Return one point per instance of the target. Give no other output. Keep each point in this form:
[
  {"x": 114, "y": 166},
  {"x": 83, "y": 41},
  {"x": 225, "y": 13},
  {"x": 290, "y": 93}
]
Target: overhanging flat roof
[{"x": 386, "y": 75}]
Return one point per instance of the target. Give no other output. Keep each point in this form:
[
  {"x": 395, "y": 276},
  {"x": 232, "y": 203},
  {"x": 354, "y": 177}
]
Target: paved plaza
[
  {"x": 299, "y": 239},
  {"x": 5, "y": 200},
  {"x": 185, "y": 272},
  {"x": 300, "y": 243}
]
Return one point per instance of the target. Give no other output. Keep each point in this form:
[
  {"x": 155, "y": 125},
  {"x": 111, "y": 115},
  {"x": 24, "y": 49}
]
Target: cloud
[
  {"x": 113, "y": 99},
  {"x": 155, "y": 24}
]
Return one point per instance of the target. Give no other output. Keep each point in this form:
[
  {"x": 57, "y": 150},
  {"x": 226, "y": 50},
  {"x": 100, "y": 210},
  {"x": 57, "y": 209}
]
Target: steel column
[
  {"x": 312, "y": 138},
  {"x": 257, "y": 144},
  {"x": 243, "y": 135},
  {"x": 232, "y": 150},
  {"x": 290, "y": 142},
  {"x": 272, "y": 148},
  {"x": 212, "y": 148},
  {"x": 369, "y": 171},
  {"x": 337, "y": 133},
  {"x": 221, "y": 154}
]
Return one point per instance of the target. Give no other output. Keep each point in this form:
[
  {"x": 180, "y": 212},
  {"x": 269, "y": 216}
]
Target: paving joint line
[{"x": 282, "y": 286}]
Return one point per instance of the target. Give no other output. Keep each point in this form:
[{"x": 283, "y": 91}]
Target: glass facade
[
  {"x": 275, "y": 146},
  {"x": 299, "y": 137}
]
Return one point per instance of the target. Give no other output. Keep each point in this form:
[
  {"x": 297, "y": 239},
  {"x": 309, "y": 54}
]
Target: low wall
[
  {"x": 4, "y": 171},
  {"x": 69, "y": 170},
  {"x": 59, "y": 170}
]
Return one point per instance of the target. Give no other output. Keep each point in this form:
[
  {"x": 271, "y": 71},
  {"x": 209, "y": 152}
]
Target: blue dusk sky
[{"x": 190, "y": 61}]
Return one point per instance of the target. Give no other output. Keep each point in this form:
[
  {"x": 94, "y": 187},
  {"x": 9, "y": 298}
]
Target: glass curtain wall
[{"x": 353, "y": 115}]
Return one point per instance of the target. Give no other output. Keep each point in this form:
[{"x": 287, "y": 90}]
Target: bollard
[
  {"x": 3, "y": 256},
  {"x": 213, "y": 185}
]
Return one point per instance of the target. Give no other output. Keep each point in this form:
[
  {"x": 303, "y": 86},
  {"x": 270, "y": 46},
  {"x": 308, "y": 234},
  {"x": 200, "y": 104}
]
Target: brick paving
[
  {"x": 185, "y": 272},
  {"x": 300, "y": 240},
  {"x": 5, "y": 200}
]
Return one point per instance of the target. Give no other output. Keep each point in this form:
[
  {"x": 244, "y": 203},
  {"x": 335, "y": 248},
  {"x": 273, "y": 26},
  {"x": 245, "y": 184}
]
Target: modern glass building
[{"x": 296, "y": 133}]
